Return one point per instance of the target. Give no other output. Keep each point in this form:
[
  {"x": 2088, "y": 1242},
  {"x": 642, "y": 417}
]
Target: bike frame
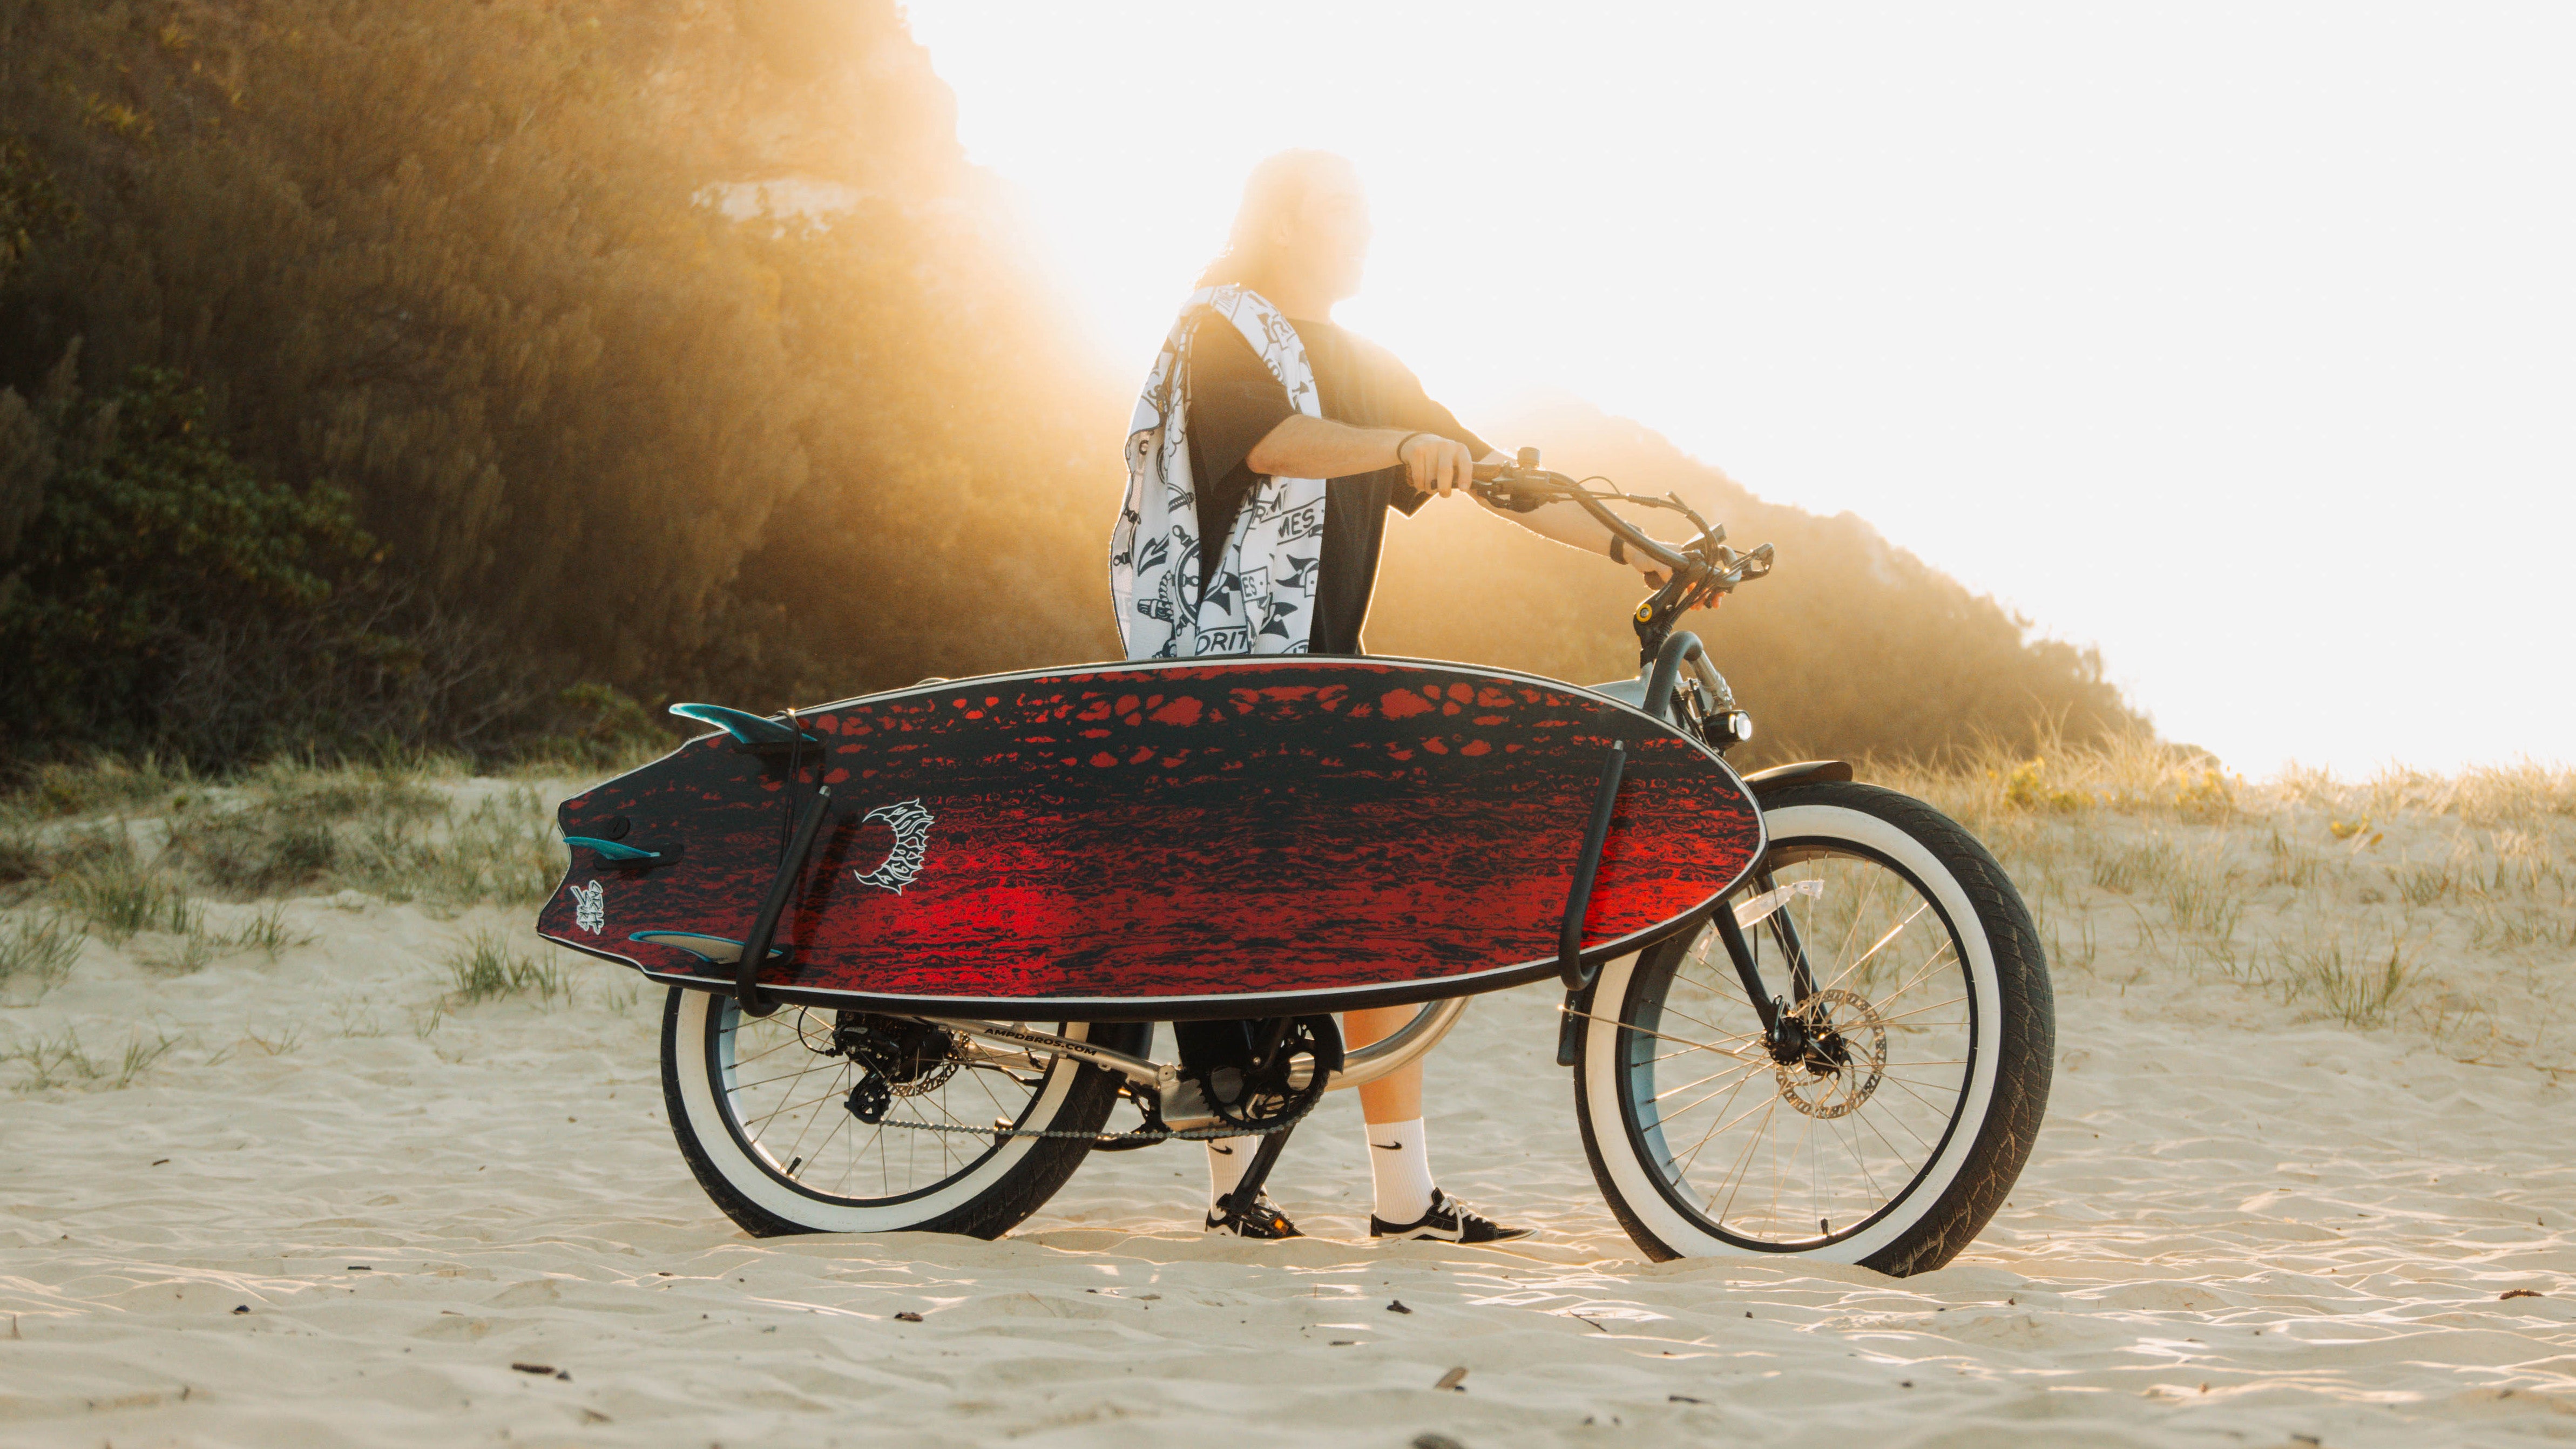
[{"x": 1363, "y": 1065}]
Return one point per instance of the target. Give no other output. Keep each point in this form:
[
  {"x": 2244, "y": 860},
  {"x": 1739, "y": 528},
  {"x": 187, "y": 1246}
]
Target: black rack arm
[
  {"x": 1578, "y": 898},
  {"x": 791, "y": 869}
]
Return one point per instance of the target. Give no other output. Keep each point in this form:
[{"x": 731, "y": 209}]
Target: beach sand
[{"x": 321, "y": 1219}]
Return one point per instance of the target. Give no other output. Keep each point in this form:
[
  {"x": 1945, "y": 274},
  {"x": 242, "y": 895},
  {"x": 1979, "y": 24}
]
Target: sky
[{"x": 2239, "y": 341}]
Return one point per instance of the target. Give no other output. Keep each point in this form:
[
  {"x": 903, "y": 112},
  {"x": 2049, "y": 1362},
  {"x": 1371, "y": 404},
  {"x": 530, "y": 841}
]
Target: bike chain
[{"x": 1220, "y": 1132}]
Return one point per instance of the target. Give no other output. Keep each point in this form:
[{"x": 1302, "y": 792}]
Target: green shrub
[{"x": 154, "y": 540}]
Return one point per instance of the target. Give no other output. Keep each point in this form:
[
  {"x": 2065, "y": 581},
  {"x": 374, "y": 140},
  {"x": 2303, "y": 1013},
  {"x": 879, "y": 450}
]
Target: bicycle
[{"x": 1840, "y": 1051}]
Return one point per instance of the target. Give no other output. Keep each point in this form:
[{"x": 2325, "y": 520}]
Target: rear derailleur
[{"x": 896, "y": 1057}]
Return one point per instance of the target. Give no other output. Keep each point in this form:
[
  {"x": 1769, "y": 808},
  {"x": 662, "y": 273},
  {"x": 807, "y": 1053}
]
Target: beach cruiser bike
[{"x": 917, "y": 942}]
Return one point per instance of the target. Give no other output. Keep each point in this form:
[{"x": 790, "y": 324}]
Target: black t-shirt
[{"x": 1235, "y": 402}]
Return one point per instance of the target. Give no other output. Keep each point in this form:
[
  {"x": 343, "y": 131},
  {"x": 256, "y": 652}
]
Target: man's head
[{"x": 1302, "y": 234}]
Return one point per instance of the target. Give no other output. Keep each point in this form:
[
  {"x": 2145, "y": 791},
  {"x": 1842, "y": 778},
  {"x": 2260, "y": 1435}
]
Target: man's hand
[
  {"x": 1434, "y": 464},
  {"x": 1653, "y": 571}
]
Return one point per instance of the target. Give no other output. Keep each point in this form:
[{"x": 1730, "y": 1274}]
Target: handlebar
[{"x": 1695, "y": 571}]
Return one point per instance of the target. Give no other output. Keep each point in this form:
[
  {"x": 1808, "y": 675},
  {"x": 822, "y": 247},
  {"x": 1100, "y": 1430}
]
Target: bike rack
[
  {"x": 1578, "y": 897},
  {"x": 791, "y": 869}
]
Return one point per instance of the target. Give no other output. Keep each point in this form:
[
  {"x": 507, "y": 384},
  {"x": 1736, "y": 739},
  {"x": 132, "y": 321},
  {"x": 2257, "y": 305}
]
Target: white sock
[
  {"x": 1227, "y": 1158},
  {"x": 1400, "y": 1164}
]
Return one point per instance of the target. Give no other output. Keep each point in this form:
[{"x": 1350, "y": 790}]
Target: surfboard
[{"x": 1209, "y": 838}]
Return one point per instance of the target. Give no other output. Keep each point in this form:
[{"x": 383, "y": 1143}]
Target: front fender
[{"x": 1764, "y": 783}]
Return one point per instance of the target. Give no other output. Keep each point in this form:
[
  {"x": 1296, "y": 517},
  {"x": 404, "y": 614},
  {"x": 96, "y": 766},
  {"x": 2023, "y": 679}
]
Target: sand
[{"x": 320, "y": 1220}]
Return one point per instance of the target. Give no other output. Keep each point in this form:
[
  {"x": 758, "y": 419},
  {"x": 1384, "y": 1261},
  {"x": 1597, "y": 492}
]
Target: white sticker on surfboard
[
  {"x": 590, "y": 907},
  {"x": 911, "y": 826}
]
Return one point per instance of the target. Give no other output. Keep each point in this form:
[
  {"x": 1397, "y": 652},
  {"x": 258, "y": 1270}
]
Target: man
[{"x": 1261, "y": 534}]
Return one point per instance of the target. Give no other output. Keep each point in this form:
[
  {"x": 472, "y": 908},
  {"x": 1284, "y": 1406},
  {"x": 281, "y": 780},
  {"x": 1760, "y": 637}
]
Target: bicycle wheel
[
  {"x": 1885, "y": 1119},
  {"x": 811, "y": 1121}
]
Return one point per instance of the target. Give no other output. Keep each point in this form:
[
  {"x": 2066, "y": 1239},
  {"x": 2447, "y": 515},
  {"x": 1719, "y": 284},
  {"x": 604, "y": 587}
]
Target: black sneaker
[
  {"x": 1265, "y": 1222},
  {"x": 1449, "y": 1221}
]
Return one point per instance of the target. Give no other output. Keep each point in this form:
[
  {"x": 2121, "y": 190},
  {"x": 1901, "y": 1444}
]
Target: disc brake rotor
[{"x": 1845, "y": 1060}]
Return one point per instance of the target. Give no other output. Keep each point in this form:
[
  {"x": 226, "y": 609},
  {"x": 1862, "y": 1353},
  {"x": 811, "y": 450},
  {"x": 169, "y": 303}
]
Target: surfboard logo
[
  {"x": 590, "y": 907},
  {"x": 911, "y": 826}
]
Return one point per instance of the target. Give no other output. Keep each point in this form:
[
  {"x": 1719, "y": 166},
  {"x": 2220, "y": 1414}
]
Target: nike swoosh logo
[
  {"x": 1222, "y": 1151},
  {"x": 1388, "y": 1146}
]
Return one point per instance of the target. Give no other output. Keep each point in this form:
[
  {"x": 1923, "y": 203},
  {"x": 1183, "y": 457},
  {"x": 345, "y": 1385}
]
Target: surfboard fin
[
  {"x": 624, "y": 856},
  {"x": 751, "y": 731},
  {"x": 714, "y": 950}
]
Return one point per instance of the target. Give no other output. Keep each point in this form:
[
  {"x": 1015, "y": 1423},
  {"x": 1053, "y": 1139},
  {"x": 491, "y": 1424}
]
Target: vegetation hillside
[
  {"x": 1852, "y": 647},
  {"x": 515, "y": 277},
  {"x": 454, "y": 374}
]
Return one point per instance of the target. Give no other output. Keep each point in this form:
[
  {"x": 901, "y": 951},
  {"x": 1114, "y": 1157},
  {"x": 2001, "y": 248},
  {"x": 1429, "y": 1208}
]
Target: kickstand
[{"x": 1247, "y": 1190}]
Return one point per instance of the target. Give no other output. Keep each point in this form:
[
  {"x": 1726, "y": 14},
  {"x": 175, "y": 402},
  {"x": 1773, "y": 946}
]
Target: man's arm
[{"x": 1304, "y": 447}]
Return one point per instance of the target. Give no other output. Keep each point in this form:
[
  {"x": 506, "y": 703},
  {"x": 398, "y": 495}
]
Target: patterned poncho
[{"x": 1260, "y": 596}]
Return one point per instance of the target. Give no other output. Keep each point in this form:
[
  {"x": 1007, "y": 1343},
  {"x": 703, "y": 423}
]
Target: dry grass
[
  {"x": 2440, "y": 903},
  {"x": 127, "y": 847}
]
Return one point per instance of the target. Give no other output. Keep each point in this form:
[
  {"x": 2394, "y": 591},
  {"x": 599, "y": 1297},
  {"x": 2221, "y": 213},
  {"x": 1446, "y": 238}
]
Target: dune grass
[
  {"x": 37, "y": 950},
  {"x": 118, "y": 894},
  {"x": 487, "y": 968},
  {"x": 2447, "y": 902},
  {"x": 44, "y": 1063}
]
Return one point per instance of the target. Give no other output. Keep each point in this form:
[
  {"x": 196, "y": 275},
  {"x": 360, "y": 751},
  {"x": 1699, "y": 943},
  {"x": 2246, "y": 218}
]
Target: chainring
[{"x": 1262, "y": 1099}]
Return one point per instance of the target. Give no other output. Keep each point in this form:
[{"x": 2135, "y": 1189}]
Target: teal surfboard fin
[
  {"x": 715, "y": 950},
  {"x": 751, "y": 731},
  {"x": 618, "y": 853}
]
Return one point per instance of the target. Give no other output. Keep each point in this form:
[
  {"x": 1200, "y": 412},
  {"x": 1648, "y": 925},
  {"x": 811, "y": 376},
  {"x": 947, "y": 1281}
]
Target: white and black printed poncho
[{"x": 1260, "y": 597}]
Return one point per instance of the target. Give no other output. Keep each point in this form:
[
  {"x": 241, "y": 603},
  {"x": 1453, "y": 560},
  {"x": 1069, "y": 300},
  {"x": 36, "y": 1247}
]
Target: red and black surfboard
[{"x": 1233, "y": 837}]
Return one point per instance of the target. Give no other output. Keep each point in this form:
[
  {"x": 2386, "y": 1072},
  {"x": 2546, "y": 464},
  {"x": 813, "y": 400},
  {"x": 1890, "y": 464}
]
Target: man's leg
[
  {"x": 1399, "y": 1158},
  {"x": 1408, "y": 1204}
]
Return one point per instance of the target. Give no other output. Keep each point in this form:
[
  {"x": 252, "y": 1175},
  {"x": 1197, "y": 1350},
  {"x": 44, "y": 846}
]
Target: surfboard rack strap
[
  {"x": 1578, "y": 898},
  {"x": 791, "y": 869}
]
